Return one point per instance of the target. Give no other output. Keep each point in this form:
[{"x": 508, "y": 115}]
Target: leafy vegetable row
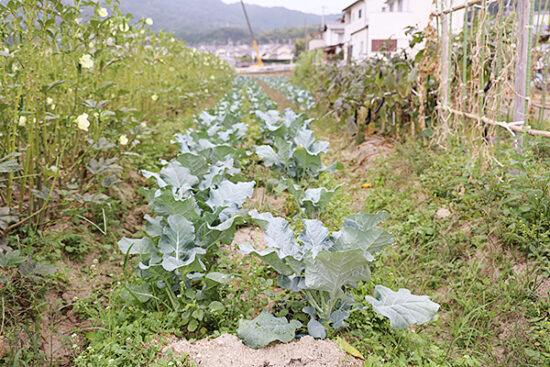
[
  {"x": 320, "y": 265},
  {"x": 197, "y": 204},
  {"x": 299, "y": 96}
]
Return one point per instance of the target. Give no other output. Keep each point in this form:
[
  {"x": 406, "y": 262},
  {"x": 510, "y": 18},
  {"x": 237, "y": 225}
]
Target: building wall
[
  {"x": 334, "y": 35},
  {"x": 359, "y": 43},
  {"x": 316, "y": 43},
  {"x": 387, "y": 21}
]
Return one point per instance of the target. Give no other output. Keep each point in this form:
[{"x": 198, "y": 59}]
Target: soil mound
[{"x": 228, "y": 351}]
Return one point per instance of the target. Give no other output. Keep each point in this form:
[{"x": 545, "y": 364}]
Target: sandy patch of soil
[
  {"x": 253, "y": 235},
  {"x": 543, "y": 289},
  {"x": 362, "y": 156},
  {"x": 265, "y": 202},
  {"x": 228, "y": 351}
]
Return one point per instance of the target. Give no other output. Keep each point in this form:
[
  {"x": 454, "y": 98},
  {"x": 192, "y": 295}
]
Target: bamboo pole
[
  {"x": 505, "y": 125},
  {"x": 455, "y": 8},
  {"x": 445, "y": 51},
  {"x": 522, "y": 51}
]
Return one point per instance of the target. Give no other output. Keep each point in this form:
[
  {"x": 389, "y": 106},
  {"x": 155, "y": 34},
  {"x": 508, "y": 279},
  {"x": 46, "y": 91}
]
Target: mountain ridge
[{"x": 188, "y": 18}]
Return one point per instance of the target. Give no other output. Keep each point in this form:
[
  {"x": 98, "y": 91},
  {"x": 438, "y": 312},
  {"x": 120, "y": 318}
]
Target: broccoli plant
[{"x": 323, "y": 266}]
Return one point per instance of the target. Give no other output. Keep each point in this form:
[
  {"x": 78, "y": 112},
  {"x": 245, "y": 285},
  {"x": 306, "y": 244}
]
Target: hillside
[
  {"x": 193, "y": 19},
  {"x": 222, "y": 36}
]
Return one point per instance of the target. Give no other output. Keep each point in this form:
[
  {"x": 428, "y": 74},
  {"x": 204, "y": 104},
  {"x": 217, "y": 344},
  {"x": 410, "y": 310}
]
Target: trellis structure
[{"x": 486, "y": 68}]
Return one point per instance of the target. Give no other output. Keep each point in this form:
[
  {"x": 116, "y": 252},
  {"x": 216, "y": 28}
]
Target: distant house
[
  {"x": 373, "y": 26},
  {"x": 330, "y": 38},
  {"x": 277, "y": 53}
]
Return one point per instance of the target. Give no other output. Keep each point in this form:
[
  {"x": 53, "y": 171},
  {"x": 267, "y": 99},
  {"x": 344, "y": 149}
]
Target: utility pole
[
  {"x": 323, "y": 9},
  {"x": 260, "y": 62}
]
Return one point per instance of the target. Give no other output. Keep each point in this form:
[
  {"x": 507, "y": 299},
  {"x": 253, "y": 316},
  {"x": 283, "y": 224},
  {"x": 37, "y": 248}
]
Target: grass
[{"x": 493, "y": 311}]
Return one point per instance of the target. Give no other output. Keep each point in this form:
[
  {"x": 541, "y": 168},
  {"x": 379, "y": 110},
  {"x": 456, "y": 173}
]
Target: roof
[
  {"x": 360, "y": 29},
  {"x": 352, "y": 5}
]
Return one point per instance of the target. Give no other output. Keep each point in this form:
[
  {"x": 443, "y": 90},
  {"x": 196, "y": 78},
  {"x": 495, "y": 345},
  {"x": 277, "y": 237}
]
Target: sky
[{"x": 308, "y": 6}]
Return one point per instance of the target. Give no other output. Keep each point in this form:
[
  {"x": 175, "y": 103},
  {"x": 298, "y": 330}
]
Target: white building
[
  {"x": 373, "y": 26},
  {"x": 330, "y": 37}
]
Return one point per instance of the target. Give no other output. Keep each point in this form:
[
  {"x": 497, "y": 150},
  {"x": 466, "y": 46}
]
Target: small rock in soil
[{"x": 443, "y": 213}]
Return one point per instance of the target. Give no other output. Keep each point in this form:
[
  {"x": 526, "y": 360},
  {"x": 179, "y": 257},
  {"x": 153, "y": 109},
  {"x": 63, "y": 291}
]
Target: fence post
[{"x": 522, "y": 54}]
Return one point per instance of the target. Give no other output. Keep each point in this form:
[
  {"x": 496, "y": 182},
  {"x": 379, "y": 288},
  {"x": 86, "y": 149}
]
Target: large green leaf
[
  {"x": 265, "y": 329},
  {"x": 268, "y": 155},
  {"x": 178, "y": 176},
  {"x": 316, "y": 329},
  {"x": 178, "y": 237},
  {"x": 10, "y": 166},
  {"x": 165, "y": 204},
  {"x": 230, "y": 196},
  {"x": 306, "y": 160},
  {"x": 360, "y": 231},
  {"x": 304, "y": 138},
  {"x": 330, "y": 271},
  {"x": 401, "y": 307},
  {"x": 194, "y": 162},
  {"x": 218, "y": 172},
  {"x": 280, "y": 236},
  {"x": 315, "y": 237},
  {"x": 269, "y": 256},
  {"x": 137, "y": 246}
]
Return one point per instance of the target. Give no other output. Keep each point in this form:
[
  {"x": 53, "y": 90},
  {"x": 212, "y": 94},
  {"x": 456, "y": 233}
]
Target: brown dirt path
[{"x": 282, "y": 102}]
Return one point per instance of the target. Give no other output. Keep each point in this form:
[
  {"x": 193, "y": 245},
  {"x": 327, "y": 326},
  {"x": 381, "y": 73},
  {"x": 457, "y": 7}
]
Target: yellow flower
[
  {"x": 143, "y": 124},
  {"x": 22, "y": 120},
  {"x": 149, "y": 21},
  {"x": 82, "y": 122},
  {"x": 49, "y": 101},
  {"x": 366, "y": 186},
  {"x": 102, "y": 12},
  {"x": 123, "y": 140},
  {"x": 86, "y": 61},
  {"x": 154, "y": 97}
]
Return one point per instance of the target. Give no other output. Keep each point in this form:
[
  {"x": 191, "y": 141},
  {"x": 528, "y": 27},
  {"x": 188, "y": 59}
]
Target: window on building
[
  {"x": 360, "y": 13},
  {"x": 400, "y": 5},
  {"x": 391, "y": 7},
  {"x": 381, "y": 45}
]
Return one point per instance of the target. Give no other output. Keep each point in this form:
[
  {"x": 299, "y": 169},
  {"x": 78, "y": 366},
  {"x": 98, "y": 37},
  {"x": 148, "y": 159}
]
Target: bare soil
[{"x": 228, "y": 351}]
